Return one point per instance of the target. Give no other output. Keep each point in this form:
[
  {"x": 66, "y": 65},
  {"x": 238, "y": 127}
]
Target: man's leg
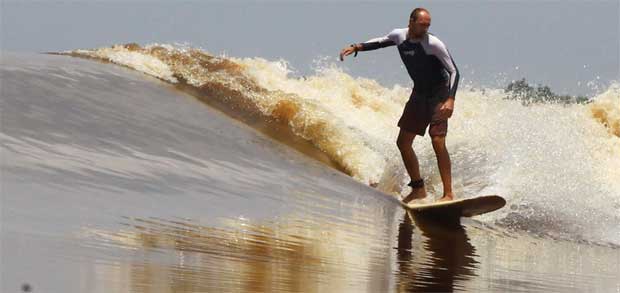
[
  {"x": 404, "y": 142},
  {"x": 443, "y": 160}
]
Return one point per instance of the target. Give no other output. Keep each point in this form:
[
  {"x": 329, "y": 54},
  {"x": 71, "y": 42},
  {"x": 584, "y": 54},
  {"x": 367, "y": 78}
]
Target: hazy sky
[{"x": 564, "y": 44}]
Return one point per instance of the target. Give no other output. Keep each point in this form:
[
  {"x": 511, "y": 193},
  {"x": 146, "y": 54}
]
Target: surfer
[{"x": 431, "y": 102}]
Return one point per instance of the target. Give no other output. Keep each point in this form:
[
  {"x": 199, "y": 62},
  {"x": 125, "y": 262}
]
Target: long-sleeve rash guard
[{"x": 427, "y": 59}]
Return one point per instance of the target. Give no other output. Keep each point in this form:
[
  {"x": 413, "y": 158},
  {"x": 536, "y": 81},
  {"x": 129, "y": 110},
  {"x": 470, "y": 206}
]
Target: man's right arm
[
  {"x": 377, "y": 43},
  {"x": 369, "y": 45}
]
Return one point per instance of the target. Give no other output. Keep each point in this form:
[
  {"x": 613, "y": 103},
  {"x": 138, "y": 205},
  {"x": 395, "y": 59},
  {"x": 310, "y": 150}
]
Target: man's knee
[
  {"x": 439, "y": 142},
  {"x": 403, "y": 143},
  {"x": 404, "y": 140}
]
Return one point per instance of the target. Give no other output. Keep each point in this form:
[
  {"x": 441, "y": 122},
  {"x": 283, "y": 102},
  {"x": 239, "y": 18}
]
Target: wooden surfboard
[{"x": 466, "y": 207}]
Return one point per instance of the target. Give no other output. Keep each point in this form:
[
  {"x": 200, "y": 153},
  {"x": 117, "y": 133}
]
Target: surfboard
[{"x": 466, "y": 207}]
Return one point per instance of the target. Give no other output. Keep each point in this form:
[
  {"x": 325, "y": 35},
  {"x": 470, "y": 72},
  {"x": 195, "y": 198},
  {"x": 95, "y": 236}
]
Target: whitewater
[
  {"x": 557, "y": 165},
  {"x": 166, "y": 168}
]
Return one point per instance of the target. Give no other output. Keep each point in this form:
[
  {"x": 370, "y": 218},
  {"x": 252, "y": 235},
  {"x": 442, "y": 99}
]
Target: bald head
[
  {"x": 419, "y": 22},
  {"x": 416, "y": 13}
]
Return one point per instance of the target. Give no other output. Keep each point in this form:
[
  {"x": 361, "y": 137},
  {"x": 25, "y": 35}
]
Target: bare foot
[
  {"x": 446, "y": 197},
  {"x": 416, "y": 193}
]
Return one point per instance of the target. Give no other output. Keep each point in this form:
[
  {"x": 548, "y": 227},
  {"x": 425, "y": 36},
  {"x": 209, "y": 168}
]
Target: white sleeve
[
  {"x": 441, "y": 52},
  {"x": 381, "y": 42}
]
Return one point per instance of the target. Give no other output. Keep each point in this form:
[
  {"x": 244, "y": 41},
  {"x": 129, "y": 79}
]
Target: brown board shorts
[{"x": 422, "y": 109}]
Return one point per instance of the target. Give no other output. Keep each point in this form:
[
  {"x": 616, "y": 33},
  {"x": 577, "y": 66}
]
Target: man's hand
[
  {"x": 348, "y": 51},
  {"x": 446, "y": 108}
]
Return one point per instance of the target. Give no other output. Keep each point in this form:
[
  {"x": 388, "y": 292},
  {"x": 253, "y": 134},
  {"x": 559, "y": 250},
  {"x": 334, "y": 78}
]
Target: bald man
[{"x": 435, "y": 79}]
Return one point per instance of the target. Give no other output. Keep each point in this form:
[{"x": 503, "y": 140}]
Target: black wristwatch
[{"x": 353, "y": 45}]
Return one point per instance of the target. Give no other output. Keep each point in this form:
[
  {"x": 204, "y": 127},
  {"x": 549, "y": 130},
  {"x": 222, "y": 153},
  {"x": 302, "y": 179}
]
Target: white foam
[
  {"x": 142, "y": 62},
  {"x": 553, "y": 163}
]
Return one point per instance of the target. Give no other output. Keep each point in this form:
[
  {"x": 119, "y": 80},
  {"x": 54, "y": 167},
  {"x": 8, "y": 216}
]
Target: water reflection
[
  {"x": 439, "y": 259},
  {"x": 309, "y": 255},
  {"x": 292, "y": 255}
]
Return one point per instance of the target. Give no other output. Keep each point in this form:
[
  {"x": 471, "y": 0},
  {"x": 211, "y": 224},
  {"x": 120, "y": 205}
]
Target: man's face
[{"x": 419, "y": 27}]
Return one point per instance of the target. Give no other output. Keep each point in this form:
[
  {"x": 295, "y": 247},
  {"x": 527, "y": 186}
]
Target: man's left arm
[{"x": 441, "y": 52}]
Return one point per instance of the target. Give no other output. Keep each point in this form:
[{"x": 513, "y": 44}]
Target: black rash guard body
[{"x": 427, "y": 59}]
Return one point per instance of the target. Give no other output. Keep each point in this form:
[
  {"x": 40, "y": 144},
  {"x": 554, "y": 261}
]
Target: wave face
[
  {"x": 135, "y": 185},
  {"x": 556, "y": 164}
]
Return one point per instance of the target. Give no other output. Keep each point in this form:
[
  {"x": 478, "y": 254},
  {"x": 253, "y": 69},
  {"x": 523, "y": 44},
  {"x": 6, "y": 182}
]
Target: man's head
[{"x": 419, "y": 22}]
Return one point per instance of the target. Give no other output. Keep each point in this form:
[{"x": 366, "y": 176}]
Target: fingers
[
  {"x": 345, "y": 52},
  {"x": 444, "y": 113}
]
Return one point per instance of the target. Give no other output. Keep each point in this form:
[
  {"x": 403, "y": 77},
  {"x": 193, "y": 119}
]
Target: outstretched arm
[{"x": 369, "y": 45}]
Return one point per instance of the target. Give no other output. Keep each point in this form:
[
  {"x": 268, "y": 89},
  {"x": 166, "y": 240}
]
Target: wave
[{"x": 556, "y": 164}]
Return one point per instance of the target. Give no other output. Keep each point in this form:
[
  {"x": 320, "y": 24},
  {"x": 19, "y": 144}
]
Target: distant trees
[{"x": 521, "y": 90}]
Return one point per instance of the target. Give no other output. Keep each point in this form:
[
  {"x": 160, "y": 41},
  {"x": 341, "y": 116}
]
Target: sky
[{"x": 572, "y": 46}]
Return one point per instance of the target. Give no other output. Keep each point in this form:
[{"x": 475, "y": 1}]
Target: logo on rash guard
[{"x": 409, "y": 53}]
